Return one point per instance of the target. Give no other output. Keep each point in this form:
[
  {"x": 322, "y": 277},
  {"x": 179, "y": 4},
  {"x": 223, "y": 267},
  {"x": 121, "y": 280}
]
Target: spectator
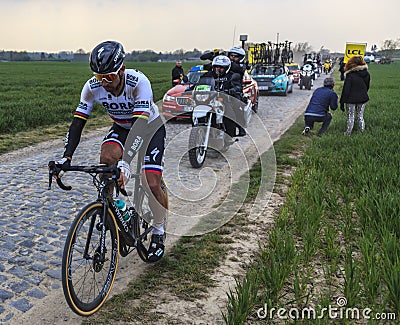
[
  {"x": 341, "y": 68},
  {"x": 178, "y": 74},
  {"x": 317, "y": 110},
  {"x": 355, "y": 92}
]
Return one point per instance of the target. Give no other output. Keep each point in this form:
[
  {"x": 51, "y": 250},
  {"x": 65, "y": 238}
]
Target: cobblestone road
[{"x": 34, "y": 221}]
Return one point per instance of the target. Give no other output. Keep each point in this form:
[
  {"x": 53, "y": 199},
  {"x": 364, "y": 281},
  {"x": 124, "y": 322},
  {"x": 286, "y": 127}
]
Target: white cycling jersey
[{"x": 136, "y": 100}]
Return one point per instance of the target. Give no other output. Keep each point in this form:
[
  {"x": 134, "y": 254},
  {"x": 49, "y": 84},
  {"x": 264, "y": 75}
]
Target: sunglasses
[{"x": 108, "y": 77}]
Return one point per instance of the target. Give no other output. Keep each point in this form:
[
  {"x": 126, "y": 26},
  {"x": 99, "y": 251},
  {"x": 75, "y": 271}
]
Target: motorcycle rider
[
  {"x": 127, "y": 97},
  {"x": 307, "y": 67},
  {"x": 237, "y": 55},
  {"x": 327, "y": 66},
  {"x": 231, "y": 83}
]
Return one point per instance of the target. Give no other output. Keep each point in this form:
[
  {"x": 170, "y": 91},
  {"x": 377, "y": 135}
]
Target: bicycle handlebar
[{"x": 54, "y": 170}]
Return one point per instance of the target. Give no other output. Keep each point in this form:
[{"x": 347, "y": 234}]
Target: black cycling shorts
[{"x": 154, "y": 156}]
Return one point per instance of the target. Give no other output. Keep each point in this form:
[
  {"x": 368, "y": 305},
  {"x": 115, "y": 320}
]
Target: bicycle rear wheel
[
  {"x": 144, "y": 220},
  {"x": 88, "y": 275}
]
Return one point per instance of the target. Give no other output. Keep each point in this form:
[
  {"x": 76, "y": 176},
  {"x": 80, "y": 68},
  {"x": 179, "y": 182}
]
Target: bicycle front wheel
[{"x": 87, "y": 273}]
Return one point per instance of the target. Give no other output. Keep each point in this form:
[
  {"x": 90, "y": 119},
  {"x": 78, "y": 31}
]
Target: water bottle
[{"x": 121, "y": 205}]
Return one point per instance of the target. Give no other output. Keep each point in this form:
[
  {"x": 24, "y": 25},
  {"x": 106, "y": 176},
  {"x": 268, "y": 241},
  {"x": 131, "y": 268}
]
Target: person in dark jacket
[
  {"x": 355, "y": 92},
  {"x": 230, "y": 83},
  {"x": 237, "y": 55},
  {"x": 317, "y": 110},
  {"x": 341, "y": 68},
  {"x": 177, "y": 73}
]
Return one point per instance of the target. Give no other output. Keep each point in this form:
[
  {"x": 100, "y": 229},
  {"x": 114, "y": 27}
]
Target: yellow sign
[
  {"x": 250, "y": 54},
  {"x": 353, "y": 49}
]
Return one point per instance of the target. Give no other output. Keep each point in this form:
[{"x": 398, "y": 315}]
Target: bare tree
[
  {"x": 302, "y": 47},
  {"x": 389, "y": 47},
  {"x": 80, "y": 51}
]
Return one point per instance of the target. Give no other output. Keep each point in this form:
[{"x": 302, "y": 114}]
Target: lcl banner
[{"x": 353, "y": 49}]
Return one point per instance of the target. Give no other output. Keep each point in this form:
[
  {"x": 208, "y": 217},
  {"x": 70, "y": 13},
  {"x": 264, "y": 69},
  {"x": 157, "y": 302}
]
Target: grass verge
[{"x": 336, "y": 241}]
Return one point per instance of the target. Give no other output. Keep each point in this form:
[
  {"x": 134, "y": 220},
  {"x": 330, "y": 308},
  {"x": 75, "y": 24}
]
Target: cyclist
[{"x": 127, "y": 97}]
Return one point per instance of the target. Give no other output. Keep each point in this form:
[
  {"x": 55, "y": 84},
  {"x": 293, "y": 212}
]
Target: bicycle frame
[{"x": 105, "y": 197}]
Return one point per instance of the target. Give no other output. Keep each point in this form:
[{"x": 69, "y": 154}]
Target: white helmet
[
  {"x": 222, "y": 61},
  {"x": 238, "y": 51}
]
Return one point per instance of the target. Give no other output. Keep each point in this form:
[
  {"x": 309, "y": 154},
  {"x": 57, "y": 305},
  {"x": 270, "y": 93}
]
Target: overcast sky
[{"x": 168, "y": 25}]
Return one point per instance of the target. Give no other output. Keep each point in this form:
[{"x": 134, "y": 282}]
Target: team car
[
  {"x": 272, "y": 78},
  {"x": 171, "y": 109}
]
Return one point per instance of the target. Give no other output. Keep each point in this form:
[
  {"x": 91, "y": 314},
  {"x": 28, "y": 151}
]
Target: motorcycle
[
  {"x": 327, "y": 67},
  {"x": 306, "y": 77},
  {"x": 209, "y": 107}
]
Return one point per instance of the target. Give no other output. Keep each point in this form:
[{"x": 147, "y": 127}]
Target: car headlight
[
  {"x": 202, "y": 97},
  {"x": 168, "y": 98}
]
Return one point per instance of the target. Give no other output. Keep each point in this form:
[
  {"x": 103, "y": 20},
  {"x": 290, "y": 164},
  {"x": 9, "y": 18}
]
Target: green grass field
[
  {"x": 338, "y": 232},
  {"x": 40, "y": 94}
]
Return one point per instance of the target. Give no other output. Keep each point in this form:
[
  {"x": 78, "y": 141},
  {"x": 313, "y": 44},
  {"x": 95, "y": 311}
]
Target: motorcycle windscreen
[{"x": 237, "y": 110}]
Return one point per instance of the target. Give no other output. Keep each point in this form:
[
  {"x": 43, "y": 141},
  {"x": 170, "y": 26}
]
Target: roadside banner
[{"x": 353, "y": 49}]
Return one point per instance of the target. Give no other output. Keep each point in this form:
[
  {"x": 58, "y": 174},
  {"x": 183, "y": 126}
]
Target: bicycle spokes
[{"x": 90, "y": 269}]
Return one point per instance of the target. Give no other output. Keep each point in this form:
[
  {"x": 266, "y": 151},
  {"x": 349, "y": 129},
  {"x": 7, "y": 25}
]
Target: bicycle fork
[{"x": 98, "y": 258}]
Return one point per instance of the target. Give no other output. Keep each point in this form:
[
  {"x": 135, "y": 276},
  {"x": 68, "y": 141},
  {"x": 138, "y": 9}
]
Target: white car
[{"x": 369, "y": 57}]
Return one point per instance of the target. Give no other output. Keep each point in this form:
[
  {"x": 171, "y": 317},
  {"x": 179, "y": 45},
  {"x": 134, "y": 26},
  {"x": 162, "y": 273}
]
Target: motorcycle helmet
[
  {"x": 221, "y": 61},
  {"x": 239, "y": 52},
  {"x": 107, "y": 57}
]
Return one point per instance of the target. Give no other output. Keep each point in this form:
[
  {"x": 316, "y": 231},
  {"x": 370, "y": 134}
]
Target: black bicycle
[{"x": 99, "y": 234}]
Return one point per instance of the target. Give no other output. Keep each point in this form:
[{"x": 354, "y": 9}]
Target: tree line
[
  {"x": 390, "y": 48},
  {"x": 82, "y": 56}
]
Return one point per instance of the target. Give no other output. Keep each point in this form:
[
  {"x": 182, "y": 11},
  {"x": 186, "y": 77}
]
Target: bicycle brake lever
[
  {"x": 52, "y": 170},
  {"x": 62, "y": 186}
]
